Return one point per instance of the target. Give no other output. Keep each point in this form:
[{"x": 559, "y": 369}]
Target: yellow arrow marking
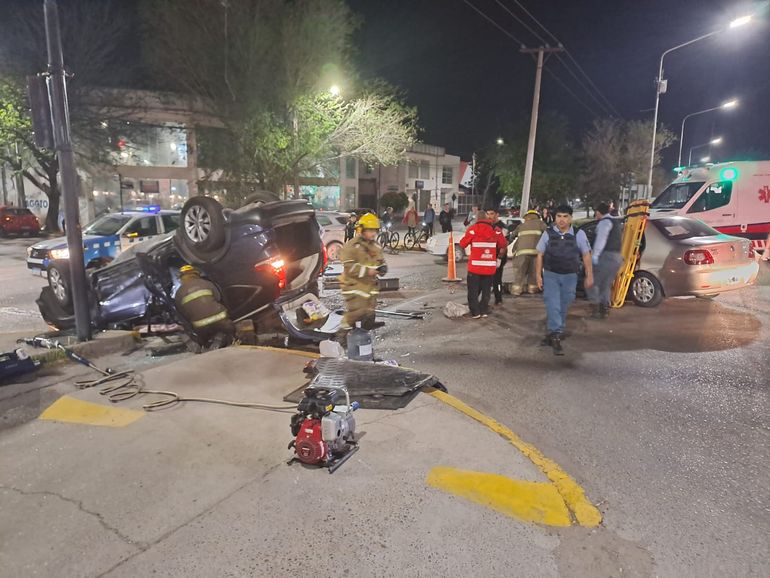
[
  {"x": 584, "y": 511},
  {"x": 71, "y": 410},
  {"x": 538, "y": 502}
]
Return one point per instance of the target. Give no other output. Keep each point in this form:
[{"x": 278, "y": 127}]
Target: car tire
[
  {"x": 261, "y": 197},
  {"x": 646, "y": 290},
  {"x": 59, "y": 282},
  {"x": 333, "y": 251},
  {"x": 203, "y": 225}
]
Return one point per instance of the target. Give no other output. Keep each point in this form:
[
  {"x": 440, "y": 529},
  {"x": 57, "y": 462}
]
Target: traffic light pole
[
  {"x": 57, "y": 90},
  {"x": 541, "y": 52}
]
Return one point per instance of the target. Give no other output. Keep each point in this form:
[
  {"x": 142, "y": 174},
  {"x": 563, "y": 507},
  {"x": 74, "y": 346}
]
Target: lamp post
[
  {"x": 724, "y": 106},
  {"x": 712, "y": 142},
  {"x": 661, "y": 85},
  {"x": 500, "y": 141}
]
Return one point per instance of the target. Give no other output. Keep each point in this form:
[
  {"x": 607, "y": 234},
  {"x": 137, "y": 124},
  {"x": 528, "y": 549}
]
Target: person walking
[
  {"x": 559, "y": 252},
  {"x": 528, "y": 234},
  {"x": 471, "y": 217},
  {"x": 607, "y": 260},
  {"x": 445, "y": 218},
  {"x": 362, "y": 261},
  {"x": 350, "y": 227},
  {"x": 486, "y": 244},
  {"x": 410, "y": 217},
  {"x": 493, "y": 216},
  {"x": 429, "y": 217}
]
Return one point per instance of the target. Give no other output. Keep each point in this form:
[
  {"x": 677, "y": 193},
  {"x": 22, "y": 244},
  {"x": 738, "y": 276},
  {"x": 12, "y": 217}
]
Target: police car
[{"x": 106, "y": 237}]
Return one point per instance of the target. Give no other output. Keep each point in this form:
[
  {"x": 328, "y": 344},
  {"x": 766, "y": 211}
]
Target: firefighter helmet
[
  {"x": 368, "y": 221},
  {"x": 187, "y": 269},
  {"x": 532, "y": 212}
]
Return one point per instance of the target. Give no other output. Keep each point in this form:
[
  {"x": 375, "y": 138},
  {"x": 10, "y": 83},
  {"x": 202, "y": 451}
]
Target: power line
[
  {"x": 494, "y": 23},
  {"x": 570, "y": 91},
  {"x": 569, "y": 54},
  {"x": 603, "y": 108},
  {"x": 520, "y": 21},
  {"x": 590, "y": 93}
]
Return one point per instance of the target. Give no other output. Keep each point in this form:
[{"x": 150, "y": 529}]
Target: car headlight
[{"x": 60, "y": 253}]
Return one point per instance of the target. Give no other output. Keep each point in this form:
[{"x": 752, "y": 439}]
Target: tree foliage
[
  {"x": 616, "y": 154},
  {"x": 266, "y": 67},
  {"x": 92, "y": 59},
  {"x": 555, "y": 168}
]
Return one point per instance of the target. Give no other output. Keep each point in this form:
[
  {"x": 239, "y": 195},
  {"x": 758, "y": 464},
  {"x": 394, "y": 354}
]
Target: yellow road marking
[
  {"x": 538, "y": 502},
  {"x": 573, "y": 495},
  {"x": 71, "y": 410}
]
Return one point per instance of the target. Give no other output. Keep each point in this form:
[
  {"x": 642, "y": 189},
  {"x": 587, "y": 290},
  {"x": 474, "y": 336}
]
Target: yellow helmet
[
  {"x": 532, "y": 212},
  {"x": 368, "y": 221},
  {"x": 187, "y": 269}
]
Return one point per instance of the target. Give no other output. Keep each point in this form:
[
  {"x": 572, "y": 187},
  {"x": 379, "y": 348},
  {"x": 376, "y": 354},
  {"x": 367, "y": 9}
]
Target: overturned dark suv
[{"x": 260, "y": 257}]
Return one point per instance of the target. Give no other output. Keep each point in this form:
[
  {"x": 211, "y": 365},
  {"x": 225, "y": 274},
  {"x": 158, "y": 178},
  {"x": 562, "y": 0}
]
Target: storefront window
[{"x": 151, "y": 146}]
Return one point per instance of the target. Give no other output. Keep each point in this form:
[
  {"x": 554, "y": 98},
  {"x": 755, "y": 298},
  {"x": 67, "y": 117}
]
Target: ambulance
[{"x": 732, "y": 197}]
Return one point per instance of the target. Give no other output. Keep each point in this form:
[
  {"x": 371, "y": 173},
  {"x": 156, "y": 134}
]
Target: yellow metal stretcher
[{"x": 637, "y": 214}]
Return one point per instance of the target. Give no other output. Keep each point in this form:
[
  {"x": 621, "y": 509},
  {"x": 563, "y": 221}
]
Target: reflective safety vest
[
  {"x": 198, "y": 301},
  {"x": 485, "y": 242},
  {"x": 528, "y": 234}
]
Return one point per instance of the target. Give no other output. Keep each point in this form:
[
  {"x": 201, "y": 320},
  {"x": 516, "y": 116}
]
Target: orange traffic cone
[{"x": 451, "y": 273}]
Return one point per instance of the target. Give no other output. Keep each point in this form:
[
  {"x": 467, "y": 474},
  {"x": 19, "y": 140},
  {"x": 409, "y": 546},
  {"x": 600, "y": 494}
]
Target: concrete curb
[{"x": 103, "y": 343}]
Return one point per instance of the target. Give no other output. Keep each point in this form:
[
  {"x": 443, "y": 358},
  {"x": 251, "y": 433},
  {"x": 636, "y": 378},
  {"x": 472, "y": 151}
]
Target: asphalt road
[
  {"x": 661, "y": 414},
  {"x": 18, "y": 288}
]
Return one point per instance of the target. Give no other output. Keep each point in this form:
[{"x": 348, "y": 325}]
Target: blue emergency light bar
[{"x": 148, "y": 208}]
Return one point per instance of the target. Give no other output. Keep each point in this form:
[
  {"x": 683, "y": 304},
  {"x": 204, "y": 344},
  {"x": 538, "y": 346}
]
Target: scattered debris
[{"x": 455, "y": 310}]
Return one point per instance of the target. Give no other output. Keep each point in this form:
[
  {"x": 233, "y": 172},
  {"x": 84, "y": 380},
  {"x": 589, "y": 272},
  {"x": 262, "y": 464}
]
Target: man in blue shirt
[
  {"x": 606, "y": 258},
  {"x": 559, "y": 252},
  {"x": 429, "y": 217}
]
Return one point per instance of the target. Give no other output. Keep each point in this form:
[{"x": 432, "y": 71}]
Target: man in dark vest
[
  {"x": 606, "y": 258},
  {"x": 559, "y": 252}
]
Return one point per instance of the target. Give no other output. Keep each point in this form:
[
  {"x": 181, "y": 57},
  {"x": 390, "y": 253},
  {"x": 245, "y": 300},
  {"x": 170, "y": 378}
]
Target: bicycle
[
  {"x": 414, "y": 239},
  {"x": 388, "y": 239}
]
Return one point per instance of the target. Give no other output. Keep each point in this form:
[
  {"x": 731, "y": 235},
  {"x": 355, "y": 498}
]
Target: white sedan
[{"x": 438, "y": 244}]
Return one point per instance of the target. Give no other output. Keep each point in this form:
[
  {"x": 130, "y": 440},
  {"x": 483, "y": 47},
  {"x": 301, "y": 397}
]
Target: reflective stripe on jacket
[
  {"x": 528, "y": 234},
  {"x": 485, "y": 242}
]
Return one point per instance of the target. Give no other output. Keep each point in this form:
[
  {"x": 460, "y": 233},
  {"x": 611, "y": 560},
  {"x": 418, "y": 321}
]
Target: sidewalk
[{"x": 204, "y": 490}]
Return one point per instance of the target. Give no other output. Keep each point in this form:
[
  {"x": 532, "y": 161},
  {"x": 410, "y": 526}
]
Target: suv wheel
[
  {"x": 59, "y": 282},
  {"x": 646, "y": 290},
  {"x": 203, "y": 225}
]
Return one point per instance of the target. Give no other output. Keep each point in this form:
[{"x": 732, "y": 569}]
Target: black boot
[
  {"x": 604, "y": 311},
  {"x": 547, "y": 340},
  {"x": 556, "y": 344}
]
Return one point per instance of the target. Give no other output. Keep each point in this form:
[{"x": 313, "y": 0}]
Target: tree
[
  {"x": 266, "y": 67},
  {"x": 554, "y": 171},
  {"x": 93, "y": 59},
  {"x": 616, "y": 153}
]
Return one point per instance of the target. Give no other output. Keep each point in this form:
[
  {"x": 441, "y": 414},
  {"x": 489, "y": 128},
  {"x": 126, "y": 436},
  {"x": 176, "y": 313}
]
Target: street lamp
[
  {"x": 500, "y": 141},
  {"x": 661, "y": 85},
  {"x": 334, "y": 90},
  {"x": 724, "y": 106},
  {"x": 712, "y": 142},
  {"x": 705, "y": 159}
]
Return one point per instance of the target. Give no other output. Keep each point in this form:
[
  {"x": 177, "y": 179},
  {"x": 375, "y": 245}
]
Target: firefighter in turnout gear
[
  {"x": 528, "y": 234},
  {"x": 198, "y": 301},
  {"x": 363, "y": 261}
]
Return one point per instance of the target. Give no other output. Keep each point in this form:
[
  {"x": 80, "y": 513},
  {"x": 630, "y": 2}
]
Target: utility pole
[
  {"x": 57, "y": 91},
  {"x": 541, "y": 52}
]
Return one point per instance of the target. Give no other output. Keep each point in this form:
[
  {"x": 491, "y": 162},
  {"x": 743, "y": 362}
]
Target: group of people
[
  {"x": 547, "y": 258},
  {"x": 412, "y": 217}
]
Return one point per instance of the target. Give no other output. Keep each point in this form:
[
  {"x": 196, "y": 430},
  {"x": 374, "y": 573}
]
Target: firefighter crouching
[
  {"x": 363, "y": 261},
  {"x": 528, "y": 234},
  {"x": 197, "y": 300}
]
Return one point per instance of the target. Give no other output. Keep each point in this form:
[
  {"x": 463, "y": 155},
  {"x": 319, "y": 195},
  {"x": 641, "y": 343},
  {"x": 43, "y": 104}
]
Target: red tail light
[
  {"x": 326, "y": 257},
  {"x": 698, "y": 257},
  {"x": 277, "y": 267}
]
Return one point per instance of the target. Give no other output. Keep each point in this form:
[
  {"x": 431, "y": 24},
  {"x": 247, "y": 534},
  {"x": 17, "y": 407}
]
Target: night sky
[{"x": 468, "y": 79}]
